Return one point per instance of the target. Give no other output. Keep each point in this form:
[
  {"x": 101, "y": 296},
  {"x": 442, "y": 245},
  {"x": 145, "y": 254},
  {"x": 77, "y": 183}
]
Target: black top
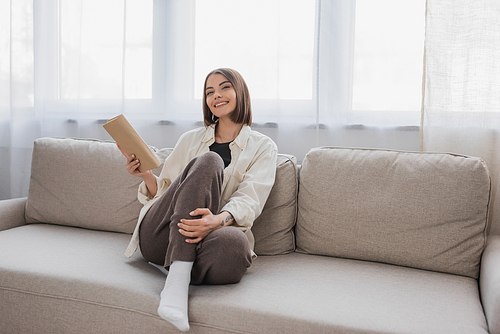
[{"x": 222, "y": 150}]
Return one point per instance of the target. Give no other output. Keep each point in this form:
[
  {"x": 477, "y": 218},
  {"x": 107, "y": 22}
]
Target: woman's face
[{"x": 220, "y": 95}]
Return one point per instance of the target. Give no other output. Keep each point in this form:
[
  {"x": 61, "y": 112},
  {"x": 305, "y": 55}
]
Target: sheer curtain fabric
[
  {"x": 461, "y": 109},
  {"x": 320, "y": 72}
]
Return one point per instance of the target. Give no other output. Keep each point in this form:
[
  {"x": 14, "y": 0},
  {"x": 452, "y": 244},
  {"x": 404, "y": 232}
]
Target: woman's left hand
[{"x": 199, "y": 228}]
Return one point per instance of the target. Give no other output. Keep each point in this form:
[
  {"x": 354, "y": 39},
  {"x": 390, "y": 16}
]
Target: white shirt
[{"x": 247, "y": 180}]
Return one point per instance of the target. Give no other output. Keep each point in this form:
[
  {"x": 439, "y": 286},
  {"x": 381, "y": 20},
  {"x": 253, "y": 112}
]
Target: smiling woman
[
  {"x": 220, "y": 96},
  {"x": 226, "y": 85},
  {"x": 198, "y": 213}
]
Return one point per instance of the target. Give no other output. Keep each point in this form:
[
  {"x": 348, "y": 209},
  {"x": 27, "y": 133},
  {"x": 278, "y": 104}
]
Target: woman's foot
[{"x": 174, "y": 296}]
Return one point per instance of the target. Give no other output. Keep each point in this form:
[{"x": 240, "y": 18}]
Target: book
[{"x": 131, "y": 142}]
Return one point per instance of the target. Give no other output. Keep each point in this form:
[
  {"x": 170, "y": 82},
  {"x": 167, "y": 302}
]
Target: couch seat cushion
[
  {"x": 298, "y": 293},
  {"x": 57, "y": 279}
]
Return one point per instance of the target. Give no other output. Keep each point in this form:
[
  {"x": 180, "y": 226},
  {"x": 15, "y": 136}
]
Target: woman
[{"x": 198, "y": 213}]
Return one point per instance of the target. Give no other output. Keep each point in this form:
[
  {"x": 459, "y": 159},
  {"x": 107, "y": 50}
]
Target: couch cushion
[
  {"x": 299, "y": 293},
  {"x": 273, "y": 229},
  {"x": 65, "y": 189},
  {"x": 83, "y": 183},
  {"x": 422, "y": 210},
  {"x": 58, "y": 279}
]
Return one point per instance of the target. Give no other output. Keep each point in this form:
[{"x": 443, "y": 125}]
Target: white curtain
[
  {"x": 16, "y": 96},
  {"x": 461, "y": 110},
  {"x": 321, "y": 72}
]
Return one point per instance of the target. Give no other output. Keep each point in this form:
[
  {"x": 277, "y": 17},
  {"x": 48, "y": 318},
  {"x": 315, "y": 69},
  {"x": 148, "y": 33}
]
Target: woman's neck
[{"x": 226, "y": 131}]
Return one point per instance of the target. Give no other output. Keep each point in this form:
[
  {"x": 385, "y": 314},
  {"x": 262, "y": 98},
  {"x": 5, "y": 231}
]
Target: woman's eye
[
  {"x": 209, "y": 93},
  {"x": 225, "y": 87}
]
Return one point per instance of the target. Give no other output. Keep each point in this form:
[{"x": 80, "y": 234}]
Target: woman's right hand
[{"x": 133, "y": 164}]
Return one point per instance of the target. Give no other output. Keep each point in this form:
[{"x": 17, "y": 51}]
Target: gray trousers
[{"x": 223, "y": 256}]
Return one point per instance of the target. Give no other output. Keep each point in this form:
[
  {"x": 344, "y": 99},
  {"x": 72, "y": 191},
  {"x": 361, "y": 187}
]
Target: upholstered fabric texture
[
  {"x": 12, "y": 213},
  {"x": 91, "y": 287},
  {"x": 299, "y": 293},
  {"x": 77, "y": 277},
  {"x": 421, "y": 210},
  {"x": 273, "y": 229},
  {"x": 82, "y": 183},
  {"x": 489, "y": 282}
]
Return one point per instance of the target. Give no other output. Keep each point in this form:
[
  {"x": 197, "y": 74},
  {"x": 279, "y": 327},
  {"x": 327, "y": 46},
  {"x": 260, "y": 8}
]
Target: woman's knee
[
  {"x": 205, "y": 169},
  {"x": 235, "y": 239},
  {"x": 209, "y": 160}
]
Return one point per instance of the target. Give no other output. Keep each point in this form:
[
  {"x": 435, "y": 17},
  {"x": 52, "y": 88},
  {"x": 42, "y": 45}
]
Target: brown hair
[{"x": 243, "y": 112}]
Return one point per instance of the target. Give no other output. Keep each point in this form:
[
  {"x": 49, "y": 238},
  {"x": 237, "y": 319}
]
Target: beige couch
[{"x": 369, "y": 241}]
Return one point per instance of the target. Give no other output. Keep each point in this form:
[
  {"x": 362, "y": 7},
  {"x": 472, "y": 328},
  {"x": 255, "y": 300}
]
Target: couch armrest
[
  {"x": 12, "y": 213},
  {"x": 489, "y": 283}
]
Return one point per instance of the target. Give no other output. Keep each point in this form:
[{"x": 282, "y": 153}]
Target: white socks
[{"x": 174, "y": 297}]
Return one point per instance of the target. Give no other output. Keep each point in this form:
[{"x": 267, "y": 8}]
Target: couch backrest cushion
[
  {"x": 83, "y": 183},
  {"x": 273, "y": 229},
  {"x": 421, "y": 210}
]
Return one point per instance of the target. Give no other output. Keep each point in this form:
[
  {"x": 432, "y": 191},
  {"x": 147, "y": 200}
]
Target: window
[
  {"x": 388, "y": 55},
  {"x": 305, "y": 61},
  {"x": 271, "y": 43},
  {"x": 371, "y": 62},
  {"x": 105, "y": 49}
]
